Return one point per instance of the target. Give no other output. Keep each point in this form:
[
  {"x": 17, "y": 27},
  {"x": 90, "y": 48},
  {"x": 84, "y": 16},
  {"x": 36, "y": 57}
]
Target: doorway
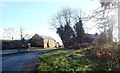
[{"x": 47, "y": 45}]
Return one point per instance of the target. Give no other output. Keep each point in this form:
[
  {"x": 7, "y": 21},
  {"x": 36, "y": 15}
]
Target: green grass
[{"x": 71, "y": 60}]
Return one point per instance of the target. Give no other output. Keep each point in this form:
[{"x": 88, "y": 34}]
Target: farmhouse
[{"x": 42, "y": 41}]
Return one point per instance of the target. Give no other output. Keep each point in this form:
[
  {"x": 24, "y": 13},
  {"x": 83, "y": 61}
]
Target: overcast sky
[{"x": 35, "y": 16}]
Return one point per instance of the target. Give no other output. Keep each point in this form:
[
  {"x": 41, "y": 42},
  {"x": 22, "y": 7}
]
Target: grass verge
[{"x": 71, "y": 60}]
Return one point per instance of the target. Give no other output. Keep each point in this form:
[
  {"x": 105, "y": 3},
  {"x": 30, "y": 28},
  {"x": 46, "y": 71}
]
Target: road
[{"x": 21, "y": 61}]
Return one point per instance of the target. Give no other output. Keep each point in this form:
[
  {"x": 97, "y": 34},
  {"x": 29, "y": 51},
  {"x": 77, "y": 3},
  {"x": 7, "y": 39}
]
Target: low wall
[{"x": 13, "y": 51}]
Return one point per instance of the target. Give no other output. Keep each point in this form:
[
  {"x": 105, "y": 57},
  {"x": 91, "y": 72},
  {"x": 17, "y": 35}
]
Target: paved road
[{"x": 20, "y": 61}]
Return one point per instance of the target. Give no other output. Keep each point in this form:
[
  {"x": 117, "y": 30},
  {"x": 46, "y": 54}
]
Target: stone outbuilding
[{"x": 42, "y": 41}]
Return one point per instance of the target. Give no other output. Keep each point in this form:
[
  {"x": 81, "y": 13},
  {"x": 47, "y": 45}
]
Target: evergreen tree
[
  {"x": 66, "y": 33},
  {"x": 69, "y": 31},
  {"x": 60, "y": 31},
  {"x": 79, "y": 31}
]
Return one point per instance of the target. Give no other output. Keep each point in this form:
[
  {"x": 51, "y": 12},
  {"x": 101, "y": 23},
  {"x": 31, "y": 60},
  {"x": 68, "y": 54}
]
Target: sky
[{"x": 35, "y": 16}]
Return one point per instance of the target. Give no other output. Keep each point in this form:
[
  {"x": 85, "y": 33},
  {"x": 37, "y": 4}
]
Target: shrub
[
  {"x": 25, "y": 46},
  {"x": 110, "y": 53}
]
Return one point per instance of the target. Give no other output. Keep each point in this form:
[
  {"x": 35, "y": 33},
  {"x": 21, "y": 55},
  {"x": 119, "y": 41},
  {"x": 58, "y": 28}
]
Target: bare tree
[
  {"x": 104, "y": 17},
  {"x": 28, "y": 36},
  {"x": 67, "y": 16},
  {"x": 9, "y": 33}
]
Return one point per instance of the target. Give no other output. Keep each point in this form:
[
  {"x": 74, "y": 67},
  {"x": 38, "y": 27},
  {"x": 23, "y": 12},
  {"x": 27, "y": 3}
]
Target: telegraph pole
[{"x": 21, "y": 33}]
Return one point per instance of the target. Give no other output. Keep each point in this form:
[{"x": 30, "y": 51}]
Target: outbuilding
[{"x": 42, "y": 41}]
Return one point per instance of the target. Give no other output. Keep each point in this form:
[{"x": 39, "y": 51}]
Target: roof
[
  {"x": 93, "y": 35},
  {"x": 45, "y": 37}
]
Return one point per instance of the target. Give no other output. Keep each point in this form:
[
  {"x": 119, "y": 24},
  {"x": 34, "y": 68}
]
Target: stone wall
[
  {"x": 49, "y": 43},
  {"x": 45, "y": 43},
  {"x": 52, "y": 43}
]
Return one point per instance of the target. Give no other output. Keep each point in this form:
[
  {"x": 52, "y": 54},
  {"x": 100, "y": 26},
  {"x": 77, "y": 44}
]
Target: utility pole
[
  {"x": 119, "y": 22},
  {"x": 21, "y": 36},
  {"x": 21, "y": 33}
]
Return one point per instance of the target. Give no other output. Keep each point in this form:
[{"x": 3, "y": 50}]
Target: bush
[
  {"x": 79, "y": 46},
  {"x": 110, "y": 53},
  {"x": 25, "y": 46}
]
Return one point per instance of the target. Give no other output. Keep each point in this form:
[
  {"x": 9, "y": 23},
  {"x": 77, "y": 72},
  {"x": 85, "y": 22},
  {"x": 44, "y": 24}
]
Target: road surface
[{"x": 21, "y": 61}]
